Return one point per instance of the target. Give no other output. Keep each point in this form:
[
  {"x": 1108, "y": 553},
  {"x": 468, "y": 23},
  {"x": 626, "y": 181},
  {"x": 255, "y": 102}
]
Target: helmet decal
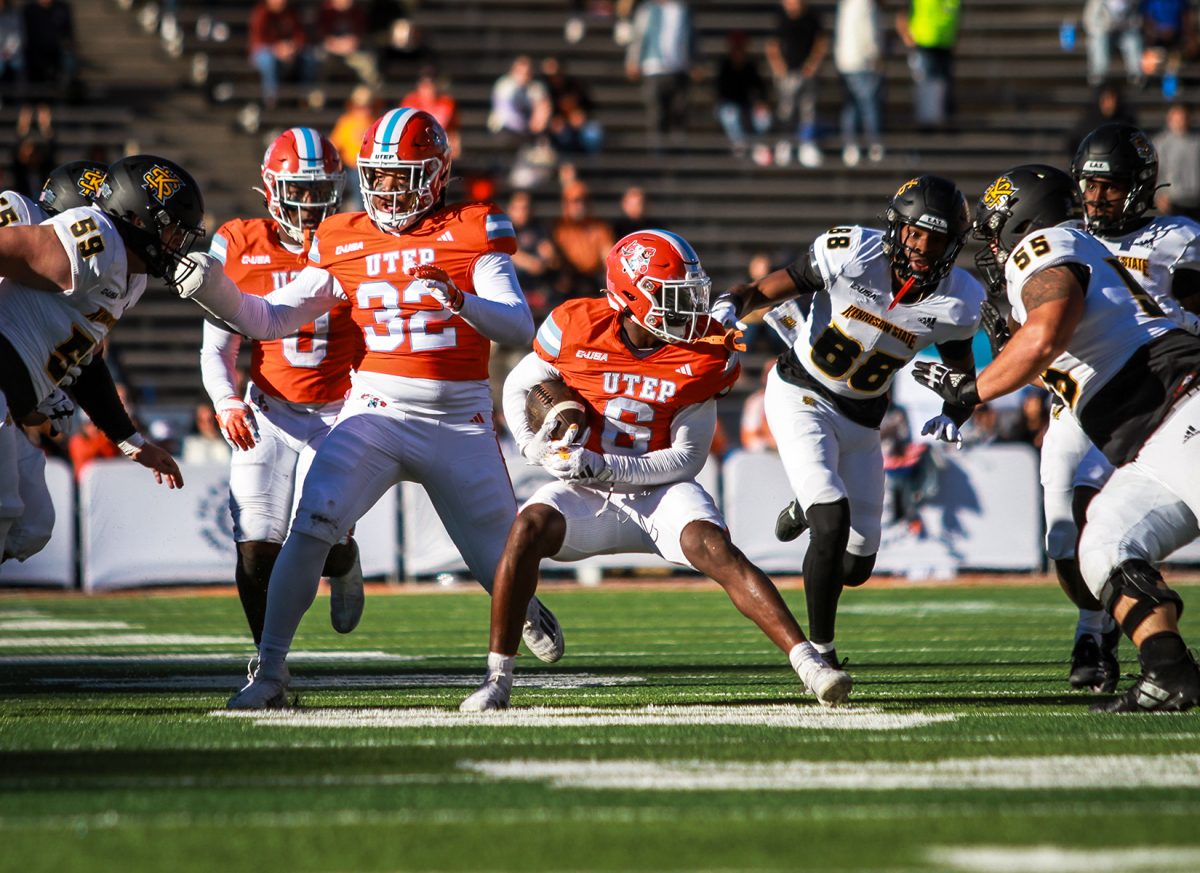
[
  {"x": 90, "y": 183},
  {"x": 162, "y": 183},
  {"x": 998, "y": 192}
]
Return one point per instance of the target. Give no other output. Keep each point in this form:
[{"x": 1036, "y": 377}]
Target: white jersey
[
  {"x": 850, "y": 342},
  {"x": 1119, "y": 317},
  {"x": 53, "y": 332},
  {"x": 16, "y": 208},
  {"x": 1153, "y": 253}
]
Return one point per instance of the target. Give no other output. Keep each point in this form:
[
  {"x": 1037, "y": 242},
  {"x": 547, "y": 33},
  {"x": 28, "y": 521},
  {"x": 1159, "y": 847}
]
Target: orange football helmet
[
  {"x": 656, "y": 276},
  {"x": 302, "y": 181},
  {"x": 404, "y": 167}
]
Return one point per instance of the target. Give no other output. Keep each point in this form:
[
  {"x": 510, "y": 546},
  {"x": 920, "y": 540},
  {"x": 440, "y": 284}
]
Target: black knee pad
[
  {"x": 857, "y": 569},
  {"x": 1137, "y": 579},
  {"x": 340, "y": 560},
  {"x": 829, "y": 522}
]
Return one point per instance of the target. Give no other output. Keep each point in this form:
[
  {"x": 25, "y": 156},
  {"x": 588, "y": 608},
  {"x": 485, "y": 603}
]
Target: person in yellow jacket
[{"x": 930, "y": 29}]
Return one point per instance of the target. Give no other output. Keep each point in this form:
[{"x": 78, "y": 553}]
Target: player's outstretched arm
[
  {"x": 281, "y": 313},
  {"x": 154, "y": 458},
  {"x": 34, "y": 257},
  {"x": 802, "y": 277}
]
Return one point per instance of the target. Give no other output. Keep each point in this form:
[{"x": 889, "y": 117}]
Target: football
[{"x": 556, "y": 398}]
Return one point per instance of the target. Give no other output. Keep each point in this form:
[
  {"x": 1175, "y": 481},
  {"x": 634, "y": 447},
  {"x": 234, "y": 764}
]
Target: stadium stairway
[{"x": 1019, "y": 95}]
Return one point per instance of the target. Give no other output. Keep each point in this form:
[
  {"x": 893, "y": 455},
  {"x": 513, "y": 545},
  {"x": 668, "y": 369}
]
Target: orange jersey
[
  {"x": 312, "y": 365},
  {"x": 631, "y": 396},
  {"x": 407, "y": 332}
]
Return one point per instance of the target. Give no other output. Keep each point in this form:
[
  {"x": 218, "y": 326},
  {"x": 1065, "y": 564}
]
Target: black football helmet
[
  {"x": 75, "y": 184},
  {"x": 1023, "y": 199},
  {"x": 1123, "y": 153},
  {"x": 932, "y": 203},
  {"x": 157, "y": 208}
]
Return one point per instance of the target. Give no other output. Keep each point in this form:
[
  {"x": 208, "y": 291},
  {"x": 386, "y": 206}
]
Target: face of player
[
  {"x": 306, "y": 203},
  {"x": 924, "y": 247},
  {"x": 396, "y": 189},
  {"x": 1104, "y": 199}
]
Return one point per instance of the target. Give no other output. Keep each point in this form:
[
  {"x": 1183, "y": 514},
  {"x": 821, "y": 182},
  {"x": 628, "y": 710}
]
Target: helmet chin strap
[{"x": 904, "y": 289}]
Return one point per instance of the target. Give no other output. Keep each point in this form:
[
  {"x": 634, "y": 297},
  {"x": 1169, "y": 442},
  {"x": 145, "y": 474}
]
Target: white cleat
[
  {"x": 830, "y": 685},
  {"x": 346, "y": 597},
  {"x": 262, "y": 691},
  {"x": 492, "y": 695},
  {"x": 542, "y": 634}
]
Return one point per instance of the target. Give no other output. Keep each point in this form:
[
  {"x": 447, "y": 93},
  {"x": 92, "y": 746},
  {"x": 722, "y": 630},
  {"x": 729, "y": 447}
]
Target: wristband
[{"x": 130, "y": 445}]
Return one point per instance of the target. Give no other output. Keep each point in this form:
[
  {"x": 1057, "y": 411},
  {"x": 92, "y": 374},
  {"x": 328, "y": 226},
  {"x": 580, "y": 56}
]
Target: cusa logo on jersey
[
  {"x": 256, "y": 259},
  {"x": 589, "y": 355},
  {"x": 346, "y": 248}
]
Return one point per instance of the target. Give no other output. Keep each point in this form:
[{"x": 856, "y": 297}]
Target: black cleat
[
  {"x": 1094, "y": 666},
  {"x": 1171, "y": 688},
  {"x": 831, "y": 659},
  {"x": 790, "y": 523}
]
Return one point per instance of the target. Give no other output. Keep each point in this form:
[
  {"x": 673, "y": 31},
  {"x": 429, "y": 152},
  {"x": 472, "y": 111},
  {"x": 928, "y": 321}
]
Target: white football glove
[
  {"x": 191, "y": 273},
  {"x": 535, "y": 450},
  {"x": 724, "y": 311},
  {"x": 57, "y": 407},
  {"x": 574, "y": 463},
  {"x": 943, "y": 428},
  {"x": 441, "y": 286},
  {"x": 237, "y": 423}
]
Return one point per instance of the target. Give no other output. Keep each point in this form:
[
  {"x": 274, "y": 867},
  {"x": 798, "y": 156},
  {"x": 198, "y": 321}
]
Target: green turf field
[{"x": 671, "y": 737}]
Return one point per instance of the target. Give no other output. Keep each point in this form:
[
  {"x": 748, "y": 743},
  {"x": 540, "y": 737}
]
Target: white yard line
[
  {"x": 1042, "y": 773},
  {"x": 810, "y": 717},
  {"x": 201, "y": 658},
  {"x": 557, "y": 681},
  {"x": 1054, "y": 859},
  {"x": 75, "y": 642},
  {"x": 60, "y": 624}
]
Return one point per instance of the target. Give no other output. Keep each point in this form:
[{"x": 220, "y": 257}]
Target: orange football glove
[
  {"x": 441, "y": 286},
  {"x": 237, "y": 423}
]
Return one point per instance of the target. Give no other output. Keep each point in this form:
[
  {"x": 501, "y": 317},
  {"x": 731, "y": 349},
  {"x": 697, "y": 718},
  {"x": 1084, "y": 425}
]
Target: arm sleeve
[
  {"x": 281, "y": 313},
  {"x": 96, "y": 395},
  {"x": 528, "y": 372},
  {"x": 691, "y": 435},
  {"x": 498, "y": 309},
  {"x": 218, "y": 361},
  {"x": 805, "y": 273}
]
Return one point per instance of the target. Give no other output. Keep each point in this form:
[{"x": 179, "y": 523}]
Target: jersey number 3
[
  {"x": 425, "y": 328},
  {"x": 837, "y": 356}
]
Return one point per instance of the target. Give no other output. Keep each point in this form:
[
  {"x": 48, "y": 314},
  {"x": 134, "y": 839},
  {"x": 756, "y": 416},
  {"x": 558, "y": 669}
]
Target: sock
[
  {"x": 291, "y": 592},
  {"x": 1162, "y": 650},
  {"x": 500, "y": 666},
  {"x": 1092, "y": 621},
  {"x": 802, "y": 654},
  {"x": 824, "y": 648}
]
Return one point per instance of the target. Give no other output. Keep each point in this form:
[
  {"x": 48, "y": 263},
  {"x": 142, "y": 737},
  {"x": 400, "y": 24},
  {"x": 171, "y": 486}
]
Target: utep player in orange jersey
[
  {"x": 649, "y": 365},
  {"x": 297, "y": 384},
  {"x": 432, "y": 286}
]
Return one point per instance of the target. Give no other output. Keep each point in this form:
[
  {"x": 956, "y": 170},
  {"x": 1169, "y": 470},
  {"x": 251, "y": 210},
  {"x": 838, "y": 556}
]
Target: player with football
[
  {"x": 66, "y": 282},
  {"x": 1130, "y": 376},
  {"x": 648, "y": 364},
  {"x": 1116, "y": 169},
  {"x": 877, "y": 299},
  {"x": 297, "y": 383},
  {"x": 431, "y": 287}
]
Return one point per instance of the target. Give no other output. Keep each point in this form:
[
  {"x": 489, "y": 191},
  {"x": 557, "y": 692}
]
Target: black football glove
[
  {"x": 995, "y": 325},
  {"x": 953, "y": 386}
]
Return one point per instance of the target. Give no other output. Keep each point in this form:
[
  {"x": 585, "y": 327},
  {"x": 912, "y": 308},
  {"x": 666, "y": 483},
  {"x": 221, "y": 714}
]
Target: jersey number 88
[{"x": 836, "y": 355}]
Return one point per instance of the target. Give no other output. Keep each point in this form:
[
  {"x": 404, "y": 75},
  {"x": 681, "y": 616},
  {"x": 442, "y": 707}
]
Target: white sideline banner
[
  {"x": 428, "y": 549},
  {"x": 55, "y": 564},
  {"x": 136, "y": 532},
  {"x": 986, "y": 515}
]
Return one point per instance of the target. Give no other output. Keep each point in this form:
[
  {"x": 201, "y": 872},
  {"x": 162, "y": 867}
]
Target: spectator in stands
[
  {"x": 34, "y": 153},
  {"x": 520, "y": 103},
  {"x": 1178, "y": 165},
  {"x": 403, "y": 49},
  {"x": 1108, "y": 106},
  {"x": 1029, "y": 422},
  {"x": 858, "y": 55},
  {"x": 12, "y": 42},
  {"x": 1169, "y": 27},
  {"x": 429, "y": 96},
  {"x": 741, "y": 94},
  {"x": 756, "y": 433},
  {"x": 583, "y": 241},
  {"x": 278, "y": 48},
  {"x": 633, "y": 213},
  {"x": 571, "y": 126},
  {"x": 205, "y": 444},
  {"x": 662, "y": 55},
  {"x": 536, "y": 258},
  {"x": 1113, "y": 21},
  {"x": 362, "y": 108},
  {"x": 89, "y": 444},
  {"x": 930, "y": 30},
  {"x": 342, "y": 34},
  {"x": 795, "y": 53},
  {"x": 49, "y": 43}
]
